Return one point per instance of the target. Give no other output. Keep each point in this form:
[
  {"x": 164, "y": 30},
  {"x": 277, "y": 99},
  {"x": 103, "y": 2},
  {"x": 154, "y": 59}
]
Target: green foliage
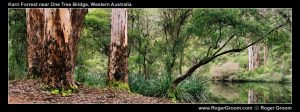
[
  {"x": 54, "y": 91},
  {"x": 91, "y": 62},
  {"x": 89, "y": 78},
  {"x": 142, "y": 41},
  {"x": 173, "y": 23},
  {"x": 165, "y": 43},
  {"x": 96, "y": 35},
  {"x": 192, "y": 90},
  {"x": 156, "y": 86},
  {"x": 17, "y": 44},
  {"x": 67, "y": 92},
  {"x": 260, "y": 74},
  {"x": 172, "y": 96},
  {"x": 62, "y": 91},
  {"x": 119, "y": 85},
  {"x": 242, "y": 59},
  {"x": 216, "y": 25}
]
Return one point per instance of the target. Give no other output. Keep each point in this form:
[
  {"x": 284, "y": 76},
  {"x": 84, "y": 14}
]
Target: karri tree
[
  {"x": 35, "y": 37},
  {"x": 53, "y": 35},
  {"x": 118, "y": 55}
]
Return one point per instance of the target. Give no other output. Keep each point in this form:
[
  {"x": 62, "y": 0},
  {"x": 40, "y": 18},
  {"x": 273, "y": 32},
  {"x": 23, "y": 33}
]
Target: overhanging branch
[
  {"x": 224, "y": 44},
  {"x": 243, "y": 48},
  {"x": 220, "y": 34},
  {"x": 209, "y": 59},
  {"x": 258, "y": 40}
]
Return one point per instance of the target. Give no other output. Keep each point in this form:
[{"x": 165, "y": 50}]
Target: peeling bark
[
  {"x": 35, "y": 35},
  {"x": 118, "y": 57},
  {"x": 62, "y": 31}
]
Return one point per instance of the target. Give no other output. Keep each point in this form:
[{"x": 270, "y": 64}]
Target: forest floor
[{"x": 29, "y": 92}]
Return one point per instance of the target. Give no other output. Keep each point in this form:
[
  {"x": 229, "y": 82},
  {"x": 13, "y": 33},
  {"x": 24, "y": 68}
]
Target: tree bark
[
  {"x": 256, "y": 55},
  {"x": 118, "y": 58},
  {"x": 62, "y": 31},
  {"x": 250, "y": 58},
  {"x": 253, "y": 56},
  {"x": 265, "y": 54},
  {"x": 35, "y": 35},
  {"x": 144, "y": 64}
]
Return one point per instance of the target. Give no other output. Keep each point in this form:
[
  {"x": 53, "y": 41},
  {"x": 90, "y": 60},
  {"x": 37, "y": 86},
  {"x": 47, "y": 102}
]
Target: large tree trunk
[
  {"x": 118, "y": 58},
  {"x": 62, "y": 31},
  {"x": 35, "y": 35}
]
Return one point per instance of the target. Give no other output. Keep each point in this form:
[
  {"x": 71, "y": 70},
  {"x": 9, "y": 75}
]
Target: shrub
[
  {"x": 194, "y": 90},
  {"x": 156, "y": 86},
  {"x": 224, "y": 71},
  {"x": 191, "y": 90},
  {"x": 90, "y": 78}
]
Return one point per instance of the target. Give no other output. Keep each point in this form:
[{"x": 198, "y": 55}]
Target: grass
[
  {"x": 192, "y": 90},
  {"x": 156, "y": 86}
]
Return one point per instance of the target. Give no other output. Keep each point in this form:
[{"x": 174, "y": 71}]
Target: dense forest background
[{"x": 164, "y": 44}]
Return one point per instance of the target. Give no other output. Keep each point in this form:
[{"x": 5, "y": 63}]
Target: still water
[{"x": 234, "y": 92}]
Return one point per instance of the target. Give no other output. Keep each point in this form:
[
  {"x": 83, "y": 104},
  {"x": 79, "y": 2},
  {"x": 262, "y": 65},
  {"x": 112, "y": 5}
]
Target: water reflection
[{"x": 233, "y": 92}]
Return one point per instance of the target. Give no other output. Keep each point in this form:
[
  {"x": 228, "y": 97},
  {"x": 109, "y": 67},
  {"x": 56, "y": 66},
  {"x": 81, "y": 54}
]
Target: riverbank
[
  {"x": 237, "y": 92},
  {"x": 249, "y": 81}
]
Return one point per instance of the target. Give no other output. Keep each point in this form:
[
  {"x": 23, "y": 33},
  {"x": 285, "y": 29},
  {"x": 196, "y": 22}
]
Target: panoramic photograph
[{"x": 149, "y": 55}]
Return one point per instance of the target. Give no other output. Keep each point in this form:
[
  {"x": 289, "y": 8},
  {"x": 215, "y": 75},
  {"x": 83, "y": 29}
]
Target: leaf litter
[{"x": 28, "y": 91}]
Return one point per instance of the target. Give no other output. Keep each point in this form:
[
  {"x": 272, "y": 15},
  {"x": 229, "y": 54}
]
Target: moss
[
  {"x": 67, "y": 92},
  {"x": 54, "y": 91},
  {"x": 62, "y": 91},
  {"x": 119, "y": 85}
]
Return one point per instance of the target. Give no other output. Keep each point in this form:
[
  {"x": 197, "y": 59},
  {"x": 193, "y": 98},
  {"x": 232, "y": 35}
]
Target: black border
[
  {"x": 181, "y": 4},
  {"x": 147, "y": 107}
]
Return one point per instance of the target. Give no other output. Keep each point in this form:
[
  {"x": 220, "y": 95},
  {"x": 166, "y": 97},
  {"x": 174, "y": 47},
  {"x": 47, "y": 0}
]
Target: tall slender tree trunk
[
  {"x": 144, "y": 65},
  {"x": 265, "y": 54},
  {"x": 256, "y": 56},
  {"x": 250, "y": 58},
  {"x": 139, "y": 64},
  {"x": 61, "y": 30},
  {"x": 118, "y": 58},
  {"x": 253, "y": 56},
  {"x": 35, "y": 35}
]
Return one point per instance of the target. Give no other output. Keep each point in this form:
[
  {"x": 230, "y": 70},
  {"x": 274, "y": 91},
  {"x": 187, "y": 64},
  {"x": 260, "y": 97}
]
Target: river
[{"x": 237, "y": 92}]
